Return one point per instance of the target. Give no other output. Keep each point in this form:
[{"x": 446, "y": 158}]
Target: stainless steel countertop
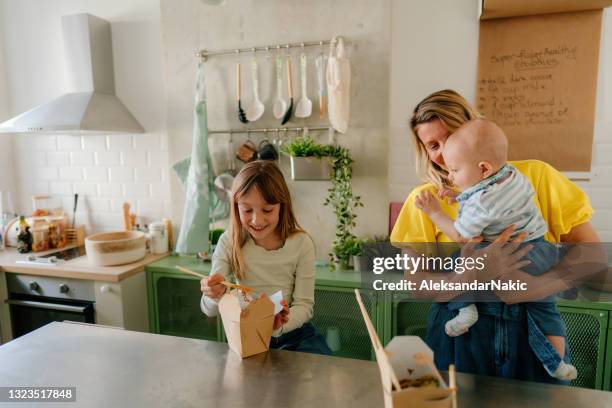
[{"x": 117, "y": 368}]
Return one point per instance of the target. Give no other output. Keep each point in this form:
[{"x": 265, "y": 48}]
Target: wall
[
  {"x": 435, "y": 46},
  {"x": 105, "y": 170},
  {"x": 6, "y": 145},
  {"x": 191, "y": 25}
]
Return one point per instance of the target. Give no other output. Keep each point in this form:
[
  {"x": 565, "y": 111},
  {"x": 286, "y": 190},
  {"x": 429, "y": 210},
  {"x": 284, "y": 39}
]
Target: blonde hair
[
  {"x": 453, "y": 111},
  {"x": 266, "y": 177}
]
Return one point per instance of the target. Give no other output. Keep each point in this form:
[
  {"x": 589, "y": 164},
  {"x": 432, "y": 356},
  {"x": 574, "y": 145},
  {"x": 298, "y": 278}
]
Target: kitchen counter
[
  {"x": 77, "y": 268},
  {"x": 142, "y": 369}
]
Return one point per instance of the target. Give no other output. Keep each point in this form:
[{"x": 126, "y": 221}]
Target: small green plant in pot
[
  {"x": 309, "y": 159},
  {"x": 341, "y": 197}
]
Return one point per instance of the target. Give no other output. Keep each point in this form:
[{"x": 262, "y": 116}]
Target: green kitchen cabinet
[
  {"x": 338, "y": 319},
  {"x": 587, "y": 331},
  {"x": 174, "y": 304},
  {"x": 608, "y": 363}
]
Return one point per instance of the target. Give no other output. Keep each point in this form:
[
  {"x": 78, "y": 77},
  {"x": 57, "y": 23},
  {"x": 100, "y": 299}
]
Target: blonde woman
[{"x": 499, "y": 343}]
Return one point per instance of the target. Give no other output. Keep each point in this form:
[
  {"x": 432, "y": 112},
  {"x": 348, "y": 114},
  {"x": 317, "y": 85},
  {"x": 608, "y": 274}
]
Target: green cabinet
[
  {"x": 174, "y": 309},
  {"x": 587, "y": 331},
  {"x": 338, "y": 318}
]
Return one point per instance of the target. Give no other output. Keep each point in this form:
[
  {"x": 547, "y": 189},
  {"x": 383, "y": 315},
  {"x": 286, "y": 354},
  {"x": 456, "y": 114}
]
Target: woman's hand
[
  {"x": 281, "y": 317},
  {"x": 427, "y": 203},
  {"x": 211, "y": 286}
]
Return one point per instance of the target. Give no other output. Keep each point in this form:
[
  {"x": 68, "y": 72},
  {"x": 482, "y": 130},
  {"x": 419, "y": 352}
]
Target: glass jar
[
  {"x": 40, "y": 238},
  {"x": 57, "y": 232}
]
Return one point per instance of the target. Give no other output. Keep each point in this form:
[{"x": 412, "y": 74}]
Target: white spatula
[{"x": 304, "y": 106}]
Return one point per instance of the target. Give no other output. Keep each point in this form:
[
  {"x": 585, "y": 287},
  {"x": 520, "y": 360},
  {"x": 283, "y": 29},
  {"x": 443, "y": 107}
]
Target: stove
[{"x": 54, "y": 258}]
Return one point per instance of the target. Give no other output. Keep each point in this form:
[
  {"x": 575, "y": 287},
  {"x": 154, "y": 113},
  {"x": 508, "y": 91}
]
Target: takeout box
[
  {"x": 409, "y": 358},
  {"x": 248, "y": 330}
]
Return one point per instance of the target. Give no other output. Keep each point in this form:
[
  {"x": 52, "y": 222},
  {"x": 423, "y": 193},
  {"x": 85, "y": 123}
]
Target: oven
[{"x": 35, "y": 301}]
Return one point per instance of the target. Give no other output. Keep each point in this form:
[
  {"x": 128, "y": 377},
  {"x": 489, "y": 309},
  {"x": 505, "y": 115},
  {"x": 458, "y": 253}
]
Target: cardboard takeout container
[
  {"x": 408, "y": 357},
  {"x": 248, "y": 331}
]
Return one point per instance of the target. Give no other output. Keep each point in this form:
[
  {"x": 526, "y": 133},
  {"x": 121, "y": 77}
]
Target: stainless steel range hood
[{"x": 91, "y": 106}]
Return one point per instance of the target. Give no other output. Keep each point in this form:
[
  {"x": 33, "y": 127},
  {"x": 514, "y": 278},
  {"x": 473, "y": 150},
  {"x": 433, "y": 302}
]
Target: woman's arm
[{"x": 585, "y": 257}]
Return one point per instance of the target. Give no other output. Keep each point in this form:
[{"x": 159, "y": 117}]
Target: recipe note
[{"x": 537, "y": 79}]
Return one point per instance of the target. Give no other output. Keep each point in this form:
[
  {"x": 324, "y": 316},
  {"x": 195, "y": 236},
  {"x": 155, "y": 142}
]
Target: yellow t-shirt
[{"x": 562, "y": 203}]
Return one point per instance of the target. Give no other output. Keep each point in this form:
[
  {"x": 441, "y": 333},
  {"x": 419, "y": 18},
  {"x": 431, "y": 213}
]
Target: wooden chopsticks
[{"x": 230, "y": 285}]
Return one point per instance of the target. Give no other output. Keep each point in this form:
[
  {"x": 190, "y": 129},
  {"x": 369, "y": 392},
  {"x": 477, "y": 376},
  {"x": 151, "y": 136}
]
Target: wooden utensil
[
  {"x": 230, "y": 285},
  {"x": 126, "y": 217}
]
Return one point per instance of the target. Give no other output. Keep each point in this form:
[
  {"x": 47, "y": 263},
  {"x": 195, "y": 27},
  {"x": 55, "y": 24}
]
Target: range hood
[{"x": 91, "y": 106}]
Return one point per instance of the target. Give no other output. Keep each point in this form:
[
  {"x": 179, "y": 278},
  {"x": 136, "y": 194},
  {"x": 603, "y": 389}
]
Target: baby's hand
[
  {"x": 427, "y": 203},
  {"x": 447, "y": 194}
]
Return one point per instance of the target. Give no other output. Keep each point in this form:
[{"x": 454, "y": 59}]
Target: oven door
[{"x": 28, "y": 313}]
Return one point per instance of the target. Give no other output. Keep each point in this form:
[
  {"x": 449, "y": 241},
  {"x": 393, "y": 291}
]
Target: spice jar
[
  {"x": 40, "y": 238},
  {"x": 57, "y": 232}
]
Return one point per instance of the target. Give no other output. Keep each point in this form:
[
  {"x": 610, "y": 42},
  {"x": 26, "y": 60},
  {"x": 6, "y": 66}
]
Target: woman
[{"x": 498, "y": 344}]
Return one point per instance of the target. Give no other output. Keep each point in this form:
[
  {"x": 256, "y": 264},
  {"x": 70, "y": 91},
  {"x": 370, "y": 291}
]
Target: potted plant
[
  {"x": 309, "y": 159},
  {"x": 363, "y": 260}
]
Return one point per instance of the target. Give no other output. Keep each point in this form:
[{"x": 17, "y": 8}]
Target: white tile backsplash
[{"x": 105, "y": 171}]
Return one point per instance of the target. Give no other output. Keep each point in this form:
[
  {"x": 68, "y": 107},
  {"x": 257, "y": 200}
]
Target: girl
[{"x": 267, "y": 250}]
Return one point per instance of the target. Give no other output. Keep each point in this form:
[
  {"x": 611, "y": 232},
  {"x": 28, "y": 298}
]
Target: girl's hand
[
  {"x": 427, "y": 203},
  {"x": 211, "y": 286},
  {"x": 281, "y": 317}
]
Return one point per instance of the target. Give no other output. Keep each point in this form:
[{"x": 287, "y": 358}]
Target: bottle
[
  {"x": 24, "y": 238},
  {"x": 159, "y": 238}
]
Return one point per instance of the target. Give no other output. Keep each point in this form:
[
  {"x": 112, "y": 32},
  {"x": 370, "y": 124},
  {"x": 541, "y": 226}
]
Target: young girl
[{"x": 267, "y": 250}]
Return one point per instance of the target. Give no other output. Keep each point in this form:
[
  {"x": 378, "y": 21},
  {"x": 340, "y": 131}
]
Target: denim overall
[{"x": 305, "y": 339}]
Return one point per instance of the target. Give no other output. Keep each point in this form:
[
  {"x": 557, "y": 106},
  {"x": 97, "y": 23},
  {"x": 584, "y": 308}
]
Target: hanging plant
[{"x": 341, "y": 197}]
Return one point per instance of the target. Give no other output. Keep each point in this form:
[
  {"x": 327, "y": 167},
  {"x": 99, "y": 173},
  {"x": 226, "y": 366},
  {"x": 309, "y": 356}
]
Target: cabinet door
[
  {"x": 177, "y": 305},
  {"x": 586, "y": 335},
  {"x": 409, "y": 318},
  {"x": 338, "y": 319}
]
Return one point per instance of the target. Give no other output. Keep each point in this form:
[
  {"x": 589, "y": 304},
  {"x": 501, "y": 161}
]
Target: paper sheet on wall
[{"x": 537, "y": 79}]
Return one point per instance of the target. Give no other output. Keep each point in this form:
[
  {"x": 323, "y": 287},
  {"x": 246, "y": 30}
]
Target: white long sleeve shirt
[{"x": 289, "y": 268}]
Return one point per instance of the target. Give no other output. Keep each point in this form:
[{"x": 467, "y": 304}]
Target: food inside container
[
  {"x": 57, "y": 232},
  {"x": 40, "y": 238},
  {"x": 43, "y": 205}
]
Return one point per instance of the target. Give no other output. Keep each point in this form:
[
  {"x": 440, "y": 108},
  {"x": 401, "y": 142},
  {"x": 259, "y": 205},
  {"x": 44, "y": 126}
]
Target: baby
[{"x": 495, "y": 195}]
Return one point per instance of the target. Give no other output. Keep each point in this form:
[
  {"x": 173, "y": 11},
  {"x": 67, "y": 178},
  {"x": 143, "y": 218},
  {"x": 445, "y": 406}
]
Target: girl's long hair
[
  {"x": 266, "y": 177},
  {"x": 453, "y": 111}
]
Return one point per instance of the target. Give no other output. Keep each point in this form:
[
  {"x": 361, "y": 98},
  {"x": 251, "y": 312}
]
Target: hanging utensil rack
[
  {"x": 266, "y": 48},
  {"x": 269, "y": 130}
]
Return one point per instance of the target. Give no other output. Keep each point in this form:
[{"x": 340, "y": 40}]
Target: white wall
[
  {"x": 6, "y": 145},
  {"x": 104, "y": 170},
  {"x": 435, "y": 46},
  {"x": 191, "y": 25}
]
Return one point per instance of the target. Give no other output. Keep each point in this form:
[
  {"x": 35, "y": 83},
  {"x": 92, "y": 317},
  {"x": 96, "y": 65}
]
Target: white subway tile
[
  {"x": 96, "y": 143},
  {"x": 160, "y": 190},
  {"x": 58, "y": 158},
  {"x": 148, "y": 174},
  {"x": 82, "y": 158},
  {"x": 96, "y": 173},
  {"x": 108, "y": 158},
  {"x": 136, "y": 190},
  {"x": 158, "y": 159},
  {"x": 149, "y": 207},
  {"x": 46, "y": 173},
  {"x": 37, "y": 159},
  {"x": 71, "y": 173},
  {"x": 134, "y": 158},
  {"x": 602, "y": 154},
  {"x": 107, "y": 221},
  {"x": 121, "y": 174},
  {"x": 88, "y": 189},
  {"x": 60, "y": 188},
  {"x": 120, "y": 143},
  {"x": 163, "y": 145},
  {"x": 44, "y": 143},
  {"x": 602, "y": 220},
  {"x": 110, "y": 190},
  {"x": 144, "y": 141},
  {"x": 117, "y": 205},
  {"x": 37, "y": 188},
  {"x": 69, "y": 142},
  {"x": 98, "y": 204}
]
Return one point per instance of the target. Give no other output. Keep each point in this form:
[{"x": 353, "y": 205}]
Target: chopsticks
[{"x": 230, "y": 285}]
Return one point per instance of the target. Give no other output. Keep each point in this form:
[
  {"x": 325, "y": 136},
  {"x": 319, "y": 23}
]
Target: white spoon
[
  {"x": 256, "y": 108},
  {"x": 304, "y": 106},
  {"x": 280, "y": 106}
]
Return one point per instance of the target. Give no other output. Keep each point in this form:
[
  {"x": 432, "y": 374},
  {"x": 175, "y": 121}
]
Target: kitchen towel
[
  {"x": 193, "y": 235},
  {"x": 338, "y": 79}
]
